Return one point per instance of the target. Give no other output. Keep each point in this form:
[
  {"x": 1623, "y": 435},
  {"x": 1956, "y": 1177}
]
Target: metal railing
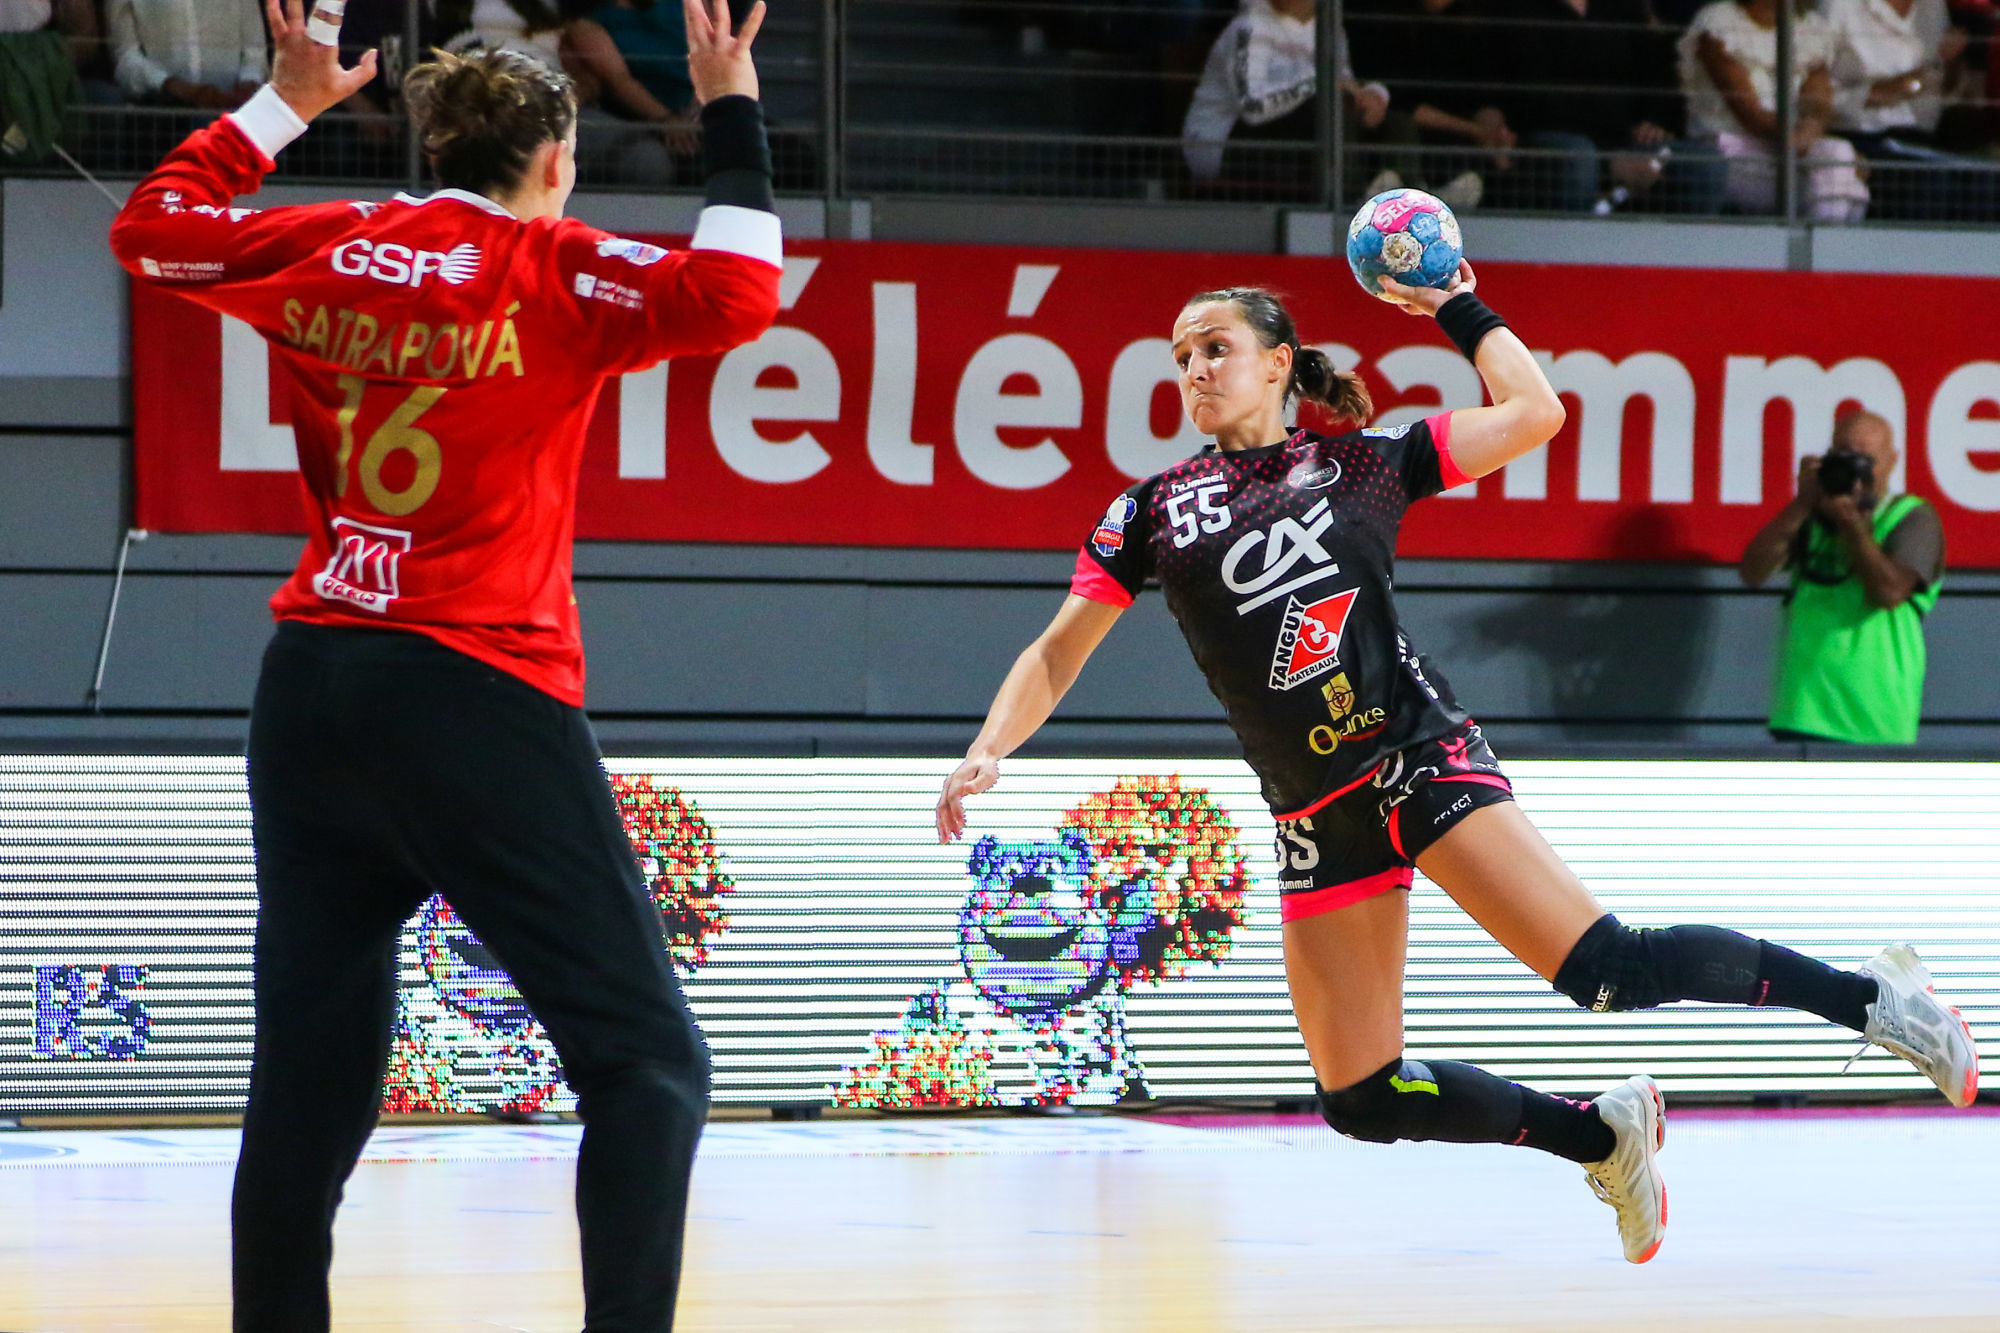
[{"x": 1012, "y": 98}]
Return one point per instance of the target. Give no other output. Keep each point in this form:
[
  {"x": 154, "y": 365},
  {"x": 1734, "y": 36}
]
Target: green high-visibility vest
[{"x": 1849, "y": 671}]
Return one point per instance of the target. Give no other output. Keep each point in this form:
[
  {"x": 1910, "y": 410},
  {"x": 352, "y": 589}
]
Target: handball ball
[{"x": 1406, "y": 235}]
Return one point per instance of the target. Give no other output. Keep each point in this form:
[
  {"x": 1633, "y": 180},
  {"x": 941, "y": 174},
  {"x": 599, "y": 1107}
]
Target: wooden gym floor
[{"x": 1782, "y": 1222}]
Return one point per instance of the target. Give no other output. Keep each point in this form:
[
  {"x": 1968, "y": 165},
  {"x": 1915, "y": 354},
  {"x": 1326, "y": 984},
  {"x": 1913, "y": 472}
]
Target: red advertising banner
[{"x": 961, "y": 396}]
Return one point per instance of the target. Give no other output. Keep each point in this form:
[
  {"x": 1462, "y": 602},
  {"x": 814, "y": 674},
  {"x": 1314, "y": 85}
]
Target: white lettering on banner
[
  {"x": 250, "y": 443},
  {"x": 892, "y": 390},
  {"x": 1603, "y": 389},
  {"x": 1438, "y": 368},
  {"x": 642, "y": 423},
  {"x": 982, "y": 409},
  {"x": 1129, "y": 440},
  {"x": 737, "y": 403},
  {"x": 1953, "y": 436},
  {"x": 1750, "y": 384},
  {"x": 1031, "y": 284},
  {"x": 792, "y": 280}
]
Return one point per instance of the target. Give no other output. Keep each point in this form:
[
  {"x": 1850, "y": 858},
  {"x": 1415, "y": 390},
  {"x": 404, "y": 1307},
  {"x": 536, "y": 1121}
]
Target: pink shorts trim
[
  {"x": 1293, "y": 906},
  {"x": 1396, "y": 830},
  {"x": 1327, "y": 799},
  {"x": 1448, "y": 470},
  {"x": 1490, "y": 779},
  {"x": 1093, "y": 583}
]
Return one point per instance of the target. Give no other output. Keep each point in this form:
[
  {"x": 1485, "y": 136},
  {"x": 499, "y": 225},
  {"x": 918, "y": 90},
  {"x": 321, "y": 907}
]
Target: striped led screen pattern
[{"x": 1108, "y": 930}]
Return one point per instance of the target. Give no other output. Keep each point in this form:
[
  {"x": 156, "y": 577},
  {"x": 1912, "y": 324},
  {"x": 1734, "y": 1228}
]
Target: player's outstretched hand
[
  {"x": 719, "y": 63},
  {"x": 968, "y": 779},
  {"x": 305, "y": 69},
  {"x": 1426, "y": 300}
]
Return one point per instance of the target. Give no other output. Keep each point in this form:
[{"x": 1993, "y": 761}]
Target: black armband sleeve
[
  {"x": 1466, "y": 320},
  {"x": 736, "y": 153}
]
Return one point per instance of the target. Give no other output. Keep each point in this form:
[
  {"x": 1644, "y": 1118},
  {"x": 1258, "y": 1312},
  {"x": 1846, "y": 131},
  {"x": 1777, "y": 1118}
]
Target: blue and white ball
[{"x": 1406, "y": 235}]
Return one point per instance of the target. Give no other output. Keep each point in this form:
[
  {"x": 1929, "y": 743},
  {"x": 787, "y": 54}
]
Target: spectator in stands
[
  {"x": 207, "y": 54},
  {"x": 1435, "y": 56},
  {"x": 38, "y": 74},
  {"x": 381, "y": 25},
  {"x": 1261, "y": 82},
  {"x": 1593, "y": 88},
  {"x": 1891, "y": 64},
  {"x": 1729, "y": 68},
  {"x": 611, "y": 149},
  {"x": 635, "y": 53},
  {"x": 1866, "y": 565}
]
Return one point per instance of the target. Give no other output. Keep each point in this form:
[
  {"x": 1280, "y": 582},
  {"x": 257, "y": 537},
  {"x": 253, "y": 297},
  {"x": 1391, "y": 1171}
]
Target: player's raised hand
[
  {"x": 1426, "y": 300},
  {"x": 305, "y": 68},
  {"x": 968, "y": 779},
  {"x": 719, "y": 63}
]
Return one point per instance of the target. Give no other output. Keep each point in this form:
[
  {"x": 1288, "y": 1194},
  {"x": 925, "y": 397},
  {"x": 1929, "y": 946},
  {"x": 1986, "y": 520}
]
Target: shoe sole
[{"x": 1659, "y": 1142}]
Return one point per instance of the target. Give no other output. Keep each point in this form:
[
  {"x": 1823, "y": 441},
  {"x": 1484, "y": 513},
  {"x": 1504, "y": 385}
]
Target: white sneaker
[
  {"x": 1463, "y": 192},
  {"x": 1909, "y": 1019},
  {"x": 1382, "y": 182},
  {"x": 1629, "y": 1180}
]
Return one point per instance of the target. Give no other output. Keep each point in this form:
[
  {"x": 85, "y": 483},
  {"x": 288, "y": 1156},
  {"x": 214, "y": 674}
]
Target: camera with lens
[{"x": 1844, "y": 471}]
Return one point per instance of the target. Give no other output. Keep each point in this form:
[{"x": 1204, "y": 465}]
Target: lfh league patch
[
  {"x": 1110, "y": 534},
  {"x": 1309, "y": 639}
]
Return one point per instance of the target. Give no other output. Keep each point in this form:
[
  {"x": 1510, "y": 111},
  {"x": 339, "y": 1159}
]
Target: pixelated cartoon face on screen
[
  {"x": 465, "y": 972},
  {"x": 1034, "y": 937}
]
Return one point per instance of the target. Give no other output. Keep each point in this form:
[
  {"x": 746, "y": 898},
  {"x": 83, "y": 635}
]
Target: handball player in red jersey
[
  {"x": 417, "y": 726},
  {"x": 1275, "y": 549}
]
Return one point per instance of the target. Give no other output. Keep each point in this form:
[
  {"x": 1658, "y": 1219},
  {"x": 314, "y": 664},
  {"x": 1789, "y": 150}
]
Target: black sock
[
  {"x": 1793, "y": 981},
  {"x": 1568, "y": 1129},
  {"x": 1474, "y": 1106}
]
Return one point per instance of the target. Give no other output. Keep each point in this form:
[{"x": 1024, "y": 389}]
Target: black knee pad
[
  {"x": 1377, "y": 1109},
  {"x": 1615, "y": 968}
]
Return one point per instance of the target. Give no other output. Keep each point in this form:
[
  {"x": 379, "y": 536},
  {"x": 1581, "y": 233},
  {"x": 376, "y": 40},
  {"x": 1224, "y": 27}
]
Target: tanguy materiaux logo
[{"x": 1309, "y": 638}]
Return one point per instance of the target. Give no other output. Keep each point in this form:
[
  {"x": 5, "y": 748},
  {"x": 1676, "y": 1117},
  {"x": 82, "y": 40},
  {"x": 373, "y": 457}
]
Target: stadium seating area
[{"x": 1571, "y": 106}]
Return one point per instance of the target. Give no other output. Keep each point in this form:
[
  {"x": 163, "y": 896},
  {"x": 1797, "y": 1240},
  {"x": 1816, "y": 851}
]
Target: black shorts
[{"x": 1365, "y": 838}]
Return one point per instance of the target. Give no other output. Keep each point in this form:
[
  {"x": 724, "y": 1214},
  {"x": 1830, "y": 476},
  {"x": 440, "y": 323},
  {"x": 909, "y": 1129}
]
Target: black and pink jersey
[{"x": 1279, "y": 564}]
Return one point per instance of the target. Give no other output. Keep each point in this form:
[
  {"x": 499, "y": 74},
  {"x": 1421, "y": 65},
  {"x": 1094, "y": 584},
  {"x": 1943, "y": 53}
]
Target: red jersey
[{"x": 446, "y": 357}]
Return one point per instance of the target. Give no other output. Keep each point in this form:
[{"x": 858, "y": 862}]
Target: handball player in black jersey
[{"x": 1275, "y": 550}]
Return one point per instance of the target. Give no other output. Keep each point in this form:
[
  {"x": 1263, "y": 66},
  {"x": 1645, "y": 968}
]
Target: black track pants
[{"x": 385, "y": 767}]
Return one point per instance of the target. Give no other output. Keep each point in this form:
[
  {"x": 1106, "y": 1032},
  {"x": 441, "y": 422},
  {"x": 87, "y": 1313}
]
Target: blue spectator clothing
[{"x": 654, "y": 43}]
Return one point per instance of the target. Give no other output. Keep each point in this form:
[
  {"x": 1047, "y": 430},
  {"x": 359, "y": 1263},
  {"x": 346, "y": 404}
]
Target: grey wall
[{"x": 747, "y": 649}]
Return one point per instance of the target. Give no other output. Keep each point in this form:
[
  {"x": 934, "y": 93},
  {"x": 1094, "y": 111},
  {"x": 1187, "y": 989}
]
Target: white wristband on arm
[{"x": 268, "y": 121}]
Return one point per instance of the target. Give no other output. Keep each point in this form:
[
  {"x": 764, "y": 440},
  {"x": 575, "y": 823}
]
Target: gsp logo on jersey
[
  {"x": 404, "y": 267},
  {"x": 1109, "y": 538},
  {"x": 1309, "y": 638},
  {"x": 364, "y": 566}
]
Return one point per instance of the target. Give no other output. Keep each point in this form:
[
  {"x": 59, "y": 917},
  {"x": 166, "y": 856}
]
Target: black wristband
[
  {"x": 732, "y": 136},
  {"x": 1465, "y": 320}
]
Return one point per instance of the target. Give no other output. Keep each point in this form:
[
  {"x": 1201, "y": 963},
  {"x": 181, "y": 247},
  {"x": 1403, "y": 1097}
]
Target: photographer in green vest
[{"x": 1865, "y": 565}]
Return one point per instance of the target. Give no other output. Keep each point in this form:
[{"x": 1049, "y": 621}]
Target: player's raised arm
[
  {"x": 1040, "y": 677},
  {"x": 638, "y": 303},
  {"x": 177, "y": 227},
  {"x": 1525, "y": 413}
]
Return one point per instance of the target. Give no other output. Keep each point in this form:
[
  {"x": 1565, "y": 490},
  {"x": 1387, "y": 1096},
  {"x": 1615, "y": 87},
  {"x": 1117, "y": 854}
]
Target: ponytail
[
  {"x": 1314, "y": 377},
  {"x": 1341, "y": 392}
]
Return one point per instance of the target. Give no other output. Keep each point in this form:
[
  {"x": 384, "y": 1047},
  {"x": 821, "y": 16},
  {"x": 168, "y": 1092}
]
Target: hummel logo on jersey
[
  {"x": 1309, "y": 638},
  {"x": 399, "y": 264},
  {"x": 1285, "y": 545}
]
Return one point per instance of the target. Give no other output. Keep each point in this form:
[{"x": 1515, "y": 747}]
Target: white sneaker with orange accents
[
  {"x": 1629, "y": 1180},
  {"x": 1909, "y": 1019}
]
